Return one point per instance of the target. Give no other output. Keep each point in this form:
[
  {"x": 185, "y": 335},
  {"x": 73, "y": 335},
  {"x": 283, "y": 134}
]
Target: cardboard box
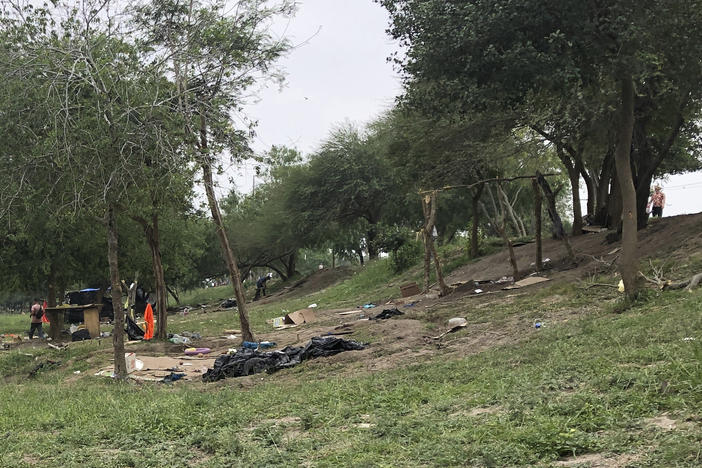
[
  {"x": 409, "y": 289},
  {"x": 301, "y": 316}
]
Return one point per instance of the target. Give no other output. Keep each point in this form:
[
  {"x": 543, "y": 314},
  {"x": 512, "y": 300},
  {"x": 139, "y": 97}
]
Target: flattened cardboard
[
  {"x": 527, "y": 282},
  {"x": 301, "y": 316},
  {"x": 409, "y": 289}
]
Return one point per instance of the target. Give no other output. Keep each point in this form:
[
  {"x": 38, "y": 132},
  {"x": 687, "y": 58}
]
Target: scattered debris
[
  {"x": 370, "y": 305},
  {"x": 133, "y": 330},
  {"x": 527, "y": 282},
  {"x": 178, "y": 339},
  {"x": 228, "y": 304},
  {"x": 80, "y": 335},
  {"x": 172, "y": 377},
  {"x": 409, "y": 289},
  {"x": 689, "y": 338},
  {"x": 248, "y": 362},
  {"x": 196, "y": 351},
  {"x": 312, "y": 306},
  {"x": 478, "y": 291},
  {"x": 454, "y": 324},
  {"x": 300, "y": 316},
  {"x": 350, "y": 312},
  {"x": 387, "y": 313},
  {"x": 48, "y": 364},
  {"x": 258, "y": 345}
]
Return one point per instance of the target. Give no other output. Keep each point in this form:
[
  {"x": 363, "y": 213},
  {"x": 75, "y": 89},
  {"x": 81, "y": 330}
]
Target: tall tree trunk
[
  {"x": 360, "y": 255},
  {"x": 603, "y": 189},
  {"x": 591, "y": 191},
  {"x": 475, "y": 199},
  {"x": 614, "y": 205},
  {"x": 557, "y": 224},
  {"x": 120, "y": 366},
  {"x": 574, "y": 177},
  {"x": 537, "y": 224},
  {"x": 206, "y": 165},
  {"x": 371, "y": 236},
  {"x": 290, "y": 265},
  {"x": 153, "y": 238},
  {"x": 501, "y": 225},
  {"x": 628, "y": 263},
  {"x": 429, "y": 208},
  {"x": 51, "y": 299}
]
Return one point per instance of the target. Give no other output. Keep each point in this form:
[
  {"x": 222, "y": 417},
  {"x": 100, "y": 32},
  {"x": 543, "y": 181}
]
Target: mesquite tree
[{"x": 215, "y": 52}]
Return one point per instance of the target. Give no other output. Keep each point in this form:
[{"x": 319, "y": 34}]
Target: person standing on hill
[
  {"x": 261, "y": 286},
  {"x": 36, "y": 313},
  {"x": 657, "y": 202}
]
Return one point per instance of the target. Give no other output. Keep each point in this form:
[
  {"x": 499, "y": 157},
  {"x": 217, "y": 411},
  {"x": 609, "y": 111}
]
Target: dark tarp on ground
[
  {"x": 387, "y": 313},
  {"x": 249, "y": 361},
  {"x": 134, "y": 331}
]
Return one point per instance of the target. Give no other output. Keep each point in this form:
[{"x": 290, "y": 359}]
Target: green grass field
[{"x": 616, "y": 389}]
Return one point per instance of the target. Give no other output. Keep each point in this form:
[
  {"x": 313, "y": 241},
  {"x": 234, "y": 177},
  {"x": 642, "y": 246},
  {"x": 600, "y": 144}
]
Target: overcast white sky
[{"x": 340, "y": 73}]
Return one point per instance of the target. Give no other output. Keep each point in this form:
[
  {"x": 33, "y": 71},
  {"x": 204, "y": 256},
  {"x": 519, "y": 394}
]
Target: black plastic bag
[{"x": 249, "y": 361}]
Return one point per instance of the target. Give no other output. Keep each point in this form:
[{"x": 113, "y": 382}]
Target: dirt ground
[{"x": 410, "y": 339}]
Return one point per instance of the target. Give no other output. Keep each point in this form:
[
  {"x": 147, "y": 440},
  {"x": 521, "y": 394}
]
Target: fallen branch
[
  {"x": 604, "y": 285},
  {"x": 688, "y": 284}
]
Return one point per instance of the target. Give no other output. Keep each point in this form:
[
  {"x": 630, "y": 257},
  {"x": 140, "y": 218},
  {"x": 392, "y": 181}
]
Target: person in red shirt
[{"x": 657, "y": 202}]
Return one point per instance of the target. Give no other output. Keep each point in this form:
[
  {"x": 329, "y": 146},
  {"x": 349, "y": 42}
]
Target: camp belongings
[
  {"x": 387, "y": 313},
  {"x": 248, "y": 361},
  {"x": 300, "y": 316}
]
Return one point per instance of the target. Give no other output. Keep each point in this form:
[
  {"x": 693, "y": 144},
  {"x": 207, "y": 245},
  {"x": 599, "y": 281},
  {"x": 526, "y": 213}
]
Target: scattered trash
[
  {"x": 411, "y": 304},
  {"x": 457, "y": 322},
  {"x": 172, "y": 377},
  {"x": 387, "y": 313},
  {"x": 689, "y": 338},
  {"x": 504, "y": 279},
  {"x": 409, "y": 289},
  {"x": 368, "y": 306},
  {"x": 73, "y": 328},
  {"x": 478, "y": 291},
  {"x": 231, "y": 337},
  {"x": 232, "y": 351},
  {"x": 130, "y": 359},
  {"x": 76, "y": 372},
  {"x": 248, "y": 361},
  {"x": 527, "y": 282},
  {"x": 133, "y": 330},
  {"x": 277, "y": 321},
  {"x": 257, "y": 345},
  {"x": 454, "y": 324},
  {"x": 59, "y": 347},
  {"x": 105, "y": 334},
  {"x": 300, "y": 316},
  {"x": 228, "y": 304},
  {"x": 177, "y": 339},
  {"x": 80, "y": 335},
  {"x": 312, "y": 306},
  {"x": 620, "y": 286},
  {"x": 43, "y": 365},
  {"x": 537, "y": 324},
  {"x": 196, "y": 351}
]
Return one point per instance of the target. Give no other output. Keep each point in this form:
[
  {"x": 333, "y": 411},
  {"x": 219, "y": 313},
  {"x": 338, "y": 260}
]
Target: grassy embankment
[{"x": 591, "y": 385}]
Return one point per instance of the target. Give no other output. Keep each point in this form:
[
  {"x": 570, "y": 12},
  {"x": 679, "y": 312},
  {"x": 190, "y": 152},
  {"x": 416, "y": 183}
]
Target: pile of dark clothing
[
  {"x": 249, "y": 361},
  {"x": 387, "y": 313}
]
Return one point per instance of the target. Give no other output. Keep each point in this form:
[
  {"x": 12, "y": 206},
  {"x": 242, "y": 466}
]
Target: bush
[{"x": 405, "y": 256}]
